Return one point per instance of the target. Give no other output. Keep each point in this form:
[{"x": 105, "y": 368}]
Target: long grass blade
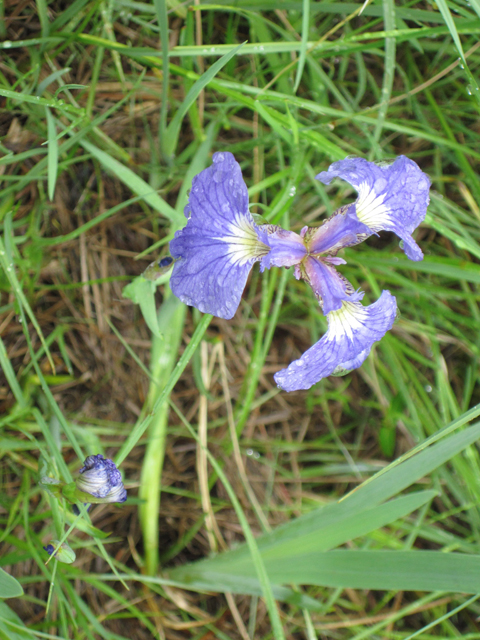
[
  {"x": 173, "y": 130},
  {"x": 52, "y": 169}
]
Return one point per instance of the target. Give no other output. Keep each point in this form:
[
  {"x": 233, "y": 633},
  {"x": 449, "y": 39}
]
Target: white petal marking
[
  {"x": 243, "y": 242},
  {"x": 370, "y": 208},
  {"x": 346, "y": 321}
]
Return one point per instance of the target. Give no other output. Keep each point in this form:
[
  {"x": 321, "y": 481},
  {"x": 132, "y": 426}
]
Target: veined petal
[
  {"x": 391, "y": 197},
  {"x": 352, "y": 330},
  {"x": 329, "y": 287},
  {"x": 220, "y": 243},
  {"x": 342, "y": 229},
  {"x": 287, "y": 248}
]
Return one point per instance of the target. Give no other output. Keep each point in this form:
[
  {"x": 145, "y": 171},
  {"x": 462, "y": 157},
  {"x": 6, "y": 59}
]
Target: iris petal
[
  {"x": 342, "y": 229},
  {"x": 352, "y": 330},
  {"x": 330, "y": 288},
  {"x": 220, "y": 243},
  {"x": 287, "y": 248},
  {"x": 391, "y": 197}
]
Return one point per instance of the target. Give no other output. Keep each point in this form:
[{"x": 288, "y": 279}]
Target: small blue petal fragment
[
  {"x": 216, "y": 250},
  {"x": 352, "y": 331},
  {"x": 328, "y": 285},
  {"x": 391, "y": 197},
  {"x": 101, "y": 479},
  {"x": 342, "y": 229},
  {"x": 165, "y": 262},
  {"x": 287, "y": 248},
  {"x": 157, "y": 269}
]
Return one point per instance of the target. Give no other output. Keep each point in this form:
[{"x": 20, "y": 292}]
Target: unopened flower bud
[
  {"x": 64, "y": 554},
  {"x": 100, "y": 481}
]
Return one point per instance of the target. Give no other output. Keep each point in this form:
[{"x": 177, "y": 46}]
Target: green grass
[{"x": 347, "y": 511}]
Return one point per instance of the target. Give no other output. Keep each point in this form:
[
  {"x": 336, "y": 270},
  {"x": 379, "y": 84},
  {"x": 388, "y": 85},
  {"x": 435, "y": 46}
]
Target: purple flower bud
[
  {"x": 64, "y": 554},
  {"x": 101, "y": 479}
]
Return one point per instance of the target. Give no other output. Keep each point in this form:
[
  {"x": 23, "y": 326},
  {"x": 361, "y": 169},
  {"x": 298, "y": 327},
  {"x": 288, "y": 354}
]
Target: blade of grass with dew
[
  {"x": 171, "y": 317},
  {"x": 173, "y": 129},
  {"x": 52, "y": 169},
  {"x": 162, "y": 20},
  {"x": 303, "y": 51},
  {"x": 132, "y": 181},
  {"x": 452, "y": 28},
  {"x": 388, "y": 73},
  {"x": 47, "y": 102}
]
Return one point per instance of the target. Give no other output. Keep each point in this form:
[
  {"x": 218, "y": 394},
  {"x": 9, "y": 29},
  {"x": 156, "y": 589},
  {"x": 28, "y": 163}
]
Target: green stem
[
  {"x": 184, "y": 359},
  {"x": 171, "y": 317}
]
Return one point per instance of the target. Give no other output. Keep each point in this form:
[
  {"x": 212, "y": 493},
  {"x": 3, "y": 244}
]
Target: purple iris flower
[{"x": 216, "y": 250}]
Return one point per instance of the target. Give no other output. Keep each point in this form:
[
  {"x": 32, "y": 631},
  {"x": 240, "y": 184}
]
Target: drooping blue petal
[
  {"x": 330, "y": 288},
  {"x": 352, "y": 330},
  {"x": 391, "y": 197},
  {"x": 342, "y": 229},
  {"x": 220, "y": 243},
  {"x": 287, "y": 248}
]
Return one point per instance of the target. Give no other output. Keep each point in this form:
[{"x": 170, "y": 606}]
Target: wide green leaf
[
  {"x": 397, "y": 570},
  {"x": 346, "y": 568},
  {"x": 9, "y": 587},
  {"x": 142, "y": 292},
  {"x": 360, "y": 512}
]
